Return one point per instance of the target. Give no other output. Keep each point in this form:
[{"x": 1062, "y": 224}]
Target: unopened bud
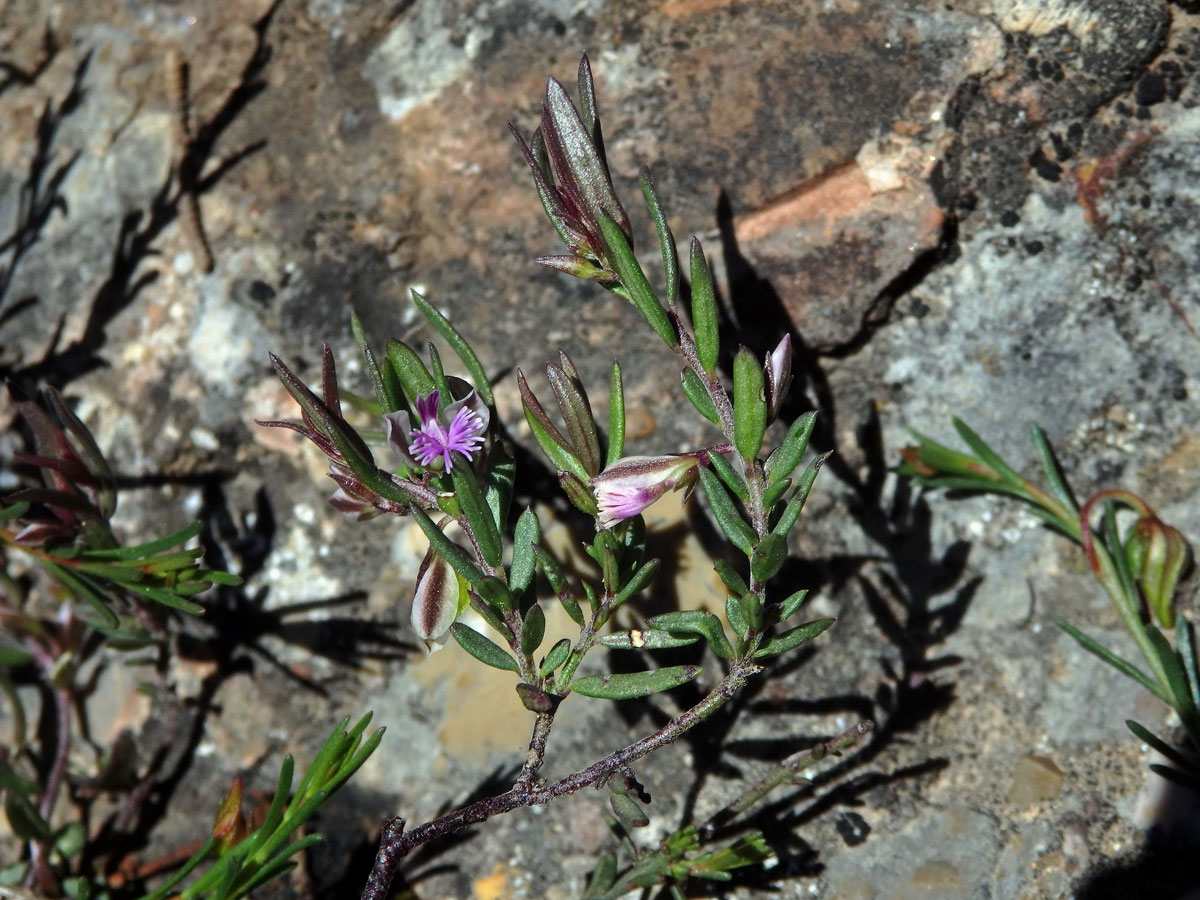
[{"x": 1158, "y": 556}]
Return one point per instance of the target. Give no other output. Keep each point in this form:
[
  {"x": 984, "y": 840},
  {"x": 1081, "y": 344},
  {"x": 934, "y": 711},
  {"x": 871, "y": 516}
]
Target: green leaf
[
  {"x": 11, "y": 657},
  {"x": 646, "y": 639},
  {"x": 1143, "y": 734},
  {"x": 455, "y": 555},
  {"x": 695, "y": 621},
  {"x": 458, "y": 344},
  {"x": 1051, "y": 469},
  {"x": 628, "y": 811},
  {"x": 632, "y": 685},
  {"x": 577, "y": 414},
  {"x": 578, "y": 493},
  {"x": 772, "y": 494},
  {"x": 616, "y": 417},
  {"x": 556, "y": 657},
  {"x": 986, "y": 454},
  {"x": 482, "y": 648},
  {"x": 1185, "y": 646},
  {"x": 796, "y": 503},
  {"x": 1121, "y": 665},
  {"x": 527, "y": 533},
  {"x": 498, "y": 482},
  {"x": 730, "y": 577},
  {"x": 733, "y": 479},
  {"x": 740, "y": 534},
  {"x": 411, "y": 371},
  {"x": 792, "y": 638},
  {"x": 666, "y": 240},
  {"x": 25, "y": 821},
  {"x": 768, "y": 558},
  {"x": 603, "y": 877},
  {"x": 533, "y": 630},
  {"x": 14, "y": 511},
  {"x": 782, "y": 463},
  {"x": 495, "y": 593},
  {"x": 85, "y": 589},
  {"x": 633, "y": 279},
  {"x": 735, "y": 616},
  {"x": 476, "y": 511},
  {"x": 789, "y": 606},
  {"x": 1177, "y": 682},
  {"x": 556, "y": 447},
  {"x": 695, "y": 391},
  {"x": 148, "y": 549},
  {"x": 749, "y": 404},
  {"x": 558, "y": 583},
  {"x": 640, "y": 579},
  {"x": 704, "y": 311}
]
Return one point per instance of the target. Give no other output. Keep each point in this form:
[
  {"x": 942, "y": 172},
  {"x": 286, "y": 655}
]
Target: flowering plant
[{"x": 452, "y": 470}]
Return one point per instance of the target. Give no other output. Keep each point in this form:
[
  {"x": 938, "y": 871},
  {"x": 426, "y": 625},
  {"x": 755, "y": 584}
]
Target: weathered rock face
[{"x": 987, "y": 211}]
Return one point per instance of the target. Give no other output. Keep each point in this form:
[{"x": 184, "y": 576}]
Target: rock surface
[{"x": 986, "y": 212}]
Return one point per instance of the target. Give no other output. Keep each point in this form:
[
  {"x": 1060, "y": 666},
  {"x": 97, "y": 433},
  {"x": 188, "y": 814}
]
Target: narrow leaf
[
  {"x": 704, "y": 310},
  {"x": 647, "y": 639},
  {"x": 733, "y": 479},
  {"x": 695, "y": 621},
  {"x": 782, "y": 463},
  {"x": 482, "y": 648},
  {"x": 697, "y": 393},
  {"x": 411, "y": 370},
  {"x": 533, "y": 630},
  {"x": 749, "y": 404},
  {"x": 632, "y": 685},
  {"x": 768, "y": 558},
  {"x": 476, "y": 511},
  {"x": 616, "y": 417},
  {"x": 577, "y": 414},
  {"x": 1113, "y": 660},
  {"x": 633, "y": 279},
  {"x": 556, "y": 657},
  {"x": 556, "y": 447},
  {"x": 459, "y": 345},
  {"x": 789, "y": 606},
  {"x": 527, "y": 533},
  {"x": 793, "y": 638},
  {"x": 989, "y": 456},
  {"x": 458, "y": 558},
  {"x": 740, "y": 534},
  {"x": 640, "y": 579},
  {"x": 666, "y": 240},
  {"x": 795, "y": 505},
  {"x": 730, "y": 577},
  {"x": 1052, "y": 470}
]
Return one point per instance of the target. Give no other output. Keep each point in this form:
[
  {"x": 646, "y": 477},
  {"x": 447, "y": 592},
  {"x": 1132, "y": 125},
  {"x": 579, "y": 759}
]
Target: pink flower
[
  {"x": 430, "y": 438},
  {"x": 628, "y": 486}
]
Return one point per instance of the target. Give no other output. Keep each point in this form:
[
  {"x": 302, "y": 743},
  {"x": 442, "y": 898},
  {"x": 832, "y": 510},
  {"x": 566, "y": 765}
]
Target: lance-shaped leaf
[
  {"x": 732, "y": 478},
  {"x": 704, "y": 310},
  {"x": 730, "y": 577},
  {"x": 556, "y": 657},
  {"x": 666, "y": 240},
  {"x": 695, "y": 621},
  {"x": 476, "y": 511},
  {"x": 736, "y": 616},
  {"x": 576, "y": 412},
  {"x": 633, "y": 280},
  {"x": 632, "y": 685},
  {"x": 647, "y": 639},
  {"x": 640, "y": 579},
  {"x": 483, "y": 649},
  {"x": 795, "y": 504},
  {"x": 533, "y": 630},
  {"x": 616, "y": 417},
  {"x": 527, "y": 534},
  {"x": 782, "y": 463},
  {"x": 768, "y": 557},
  {"x": 697, "y": 393},
  {"x": 793, "y": 638},
  {"x": 499, "y": 480},
  {"x": 749, "y": 404},
  {"x": 556, "y": 447},
  {"x": 558, "y": 583},
  {"x": 458, "y": 558},
  {"x": 791, "y": 604},
  {"x": 739, "y": 532},
  {"x": 411, "y": 371},
  {"x": 459, "y": 345}
]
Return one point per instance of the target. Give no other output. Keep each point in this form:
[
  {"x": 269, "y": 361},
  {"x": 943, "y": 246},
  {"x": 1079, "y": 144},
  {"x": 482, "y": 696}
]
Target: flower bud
[
  {"x": 628, "y": 486},
  {"x": 438, "y": 599},
  {"x": 778, "y": 372},
  {"x": 1158, "y": 555},
  {"x": 229, "y": 825}
]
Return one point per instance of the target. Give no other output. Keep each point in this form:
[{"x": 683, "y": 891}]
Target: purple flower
[
  {"x": 431, "y": 439},
  {"x": 438, "y": 600},
  {"x": 628, "y": 486}
]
